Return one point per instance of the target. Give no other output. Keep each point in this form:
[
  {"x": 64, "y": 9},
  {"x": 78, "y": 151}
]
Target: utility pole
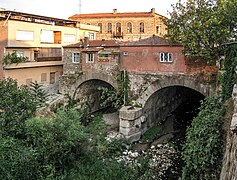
[{"x": 79, "y": 6}]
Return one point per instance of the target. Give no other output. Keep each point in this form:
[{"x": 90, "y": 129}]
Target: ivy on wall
[{"x": 229, "y": 76}]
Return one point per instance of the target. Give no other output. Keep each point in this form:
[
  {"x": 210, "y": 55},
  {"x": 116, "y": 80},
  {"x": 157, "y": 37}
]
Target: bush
[
  {"x": 203, "y": 148},
  {"x": 16, "y": 106},
  {"x": 17, "y": 161},
  {"x": 58, "y": 141}
]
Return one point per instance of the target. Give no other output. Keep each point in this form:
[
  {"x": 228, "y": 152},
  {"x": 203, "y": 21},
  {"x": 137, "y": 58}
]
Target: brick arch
[{"x": 206, "y": 89}]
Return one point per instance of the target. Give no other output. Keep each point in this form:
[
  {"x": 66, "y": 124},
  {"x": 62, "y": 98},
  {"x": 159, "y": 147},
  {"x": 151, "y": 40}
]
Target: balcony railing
[{"x": 117, "y": 34}]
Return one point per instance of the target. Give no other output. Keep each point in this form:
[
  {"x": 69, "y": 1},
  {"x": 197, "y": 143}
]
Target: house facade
[
  {"x": 127, "y": 26},
  {"x": 40, "y": 40},
  {"x": 151, "y": 55}
]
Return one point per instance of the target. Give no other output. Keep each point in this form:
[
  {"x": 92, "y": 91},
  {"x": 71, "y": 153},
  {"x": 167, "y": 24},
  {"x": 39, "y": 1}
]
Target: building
[
  {"x": 40, "y": 39},
  {"x": 91, "y": 56},
  {"x": 151, "y": 55},
  {"x": 127, "y": 26}
]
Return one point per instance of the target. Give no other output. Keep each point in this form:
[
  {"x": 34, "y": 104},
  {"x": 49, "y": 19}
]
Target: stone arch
[
  {"x": 92, "y": 76},
  {"x": 207, "y": 89}
]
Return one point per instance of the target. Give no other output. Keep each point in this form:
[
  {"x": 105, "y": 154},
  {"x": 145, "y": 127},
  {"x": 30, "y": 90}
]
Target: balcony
[
  {"x": 118, "y": 35},
  {"x": 33, "y": 64}
]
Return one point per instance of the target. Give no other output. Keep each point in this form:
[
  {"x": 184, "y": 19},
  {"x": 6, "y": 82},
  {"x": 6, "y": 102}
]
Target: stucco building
[
  {"x": 151, "y": 55},
  {"x": 40, "y": 39},
  {"x": 127, "y": 26}
]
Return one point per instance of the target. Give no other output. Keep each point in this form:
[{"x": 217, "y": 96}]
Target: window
[
  {"x": 142, "y": 27},
  {"x": 43, "y": 77},
  {"x": 129, "y": 27},
  {"x": 75, "y": 57},
  {"x": 158, "y": 29},
  {"x": 36, "y": 55},
  {"x": 47, "y": 36},
  {"x": 25, "y": 35},
  {"x": 166, "y": 57},
  {"x": 118, "y": 27},
  {"x": 109, "y": 27},
  {"x": 19, "y": 53},
  {"x": 91, "y": 36},
  {"x": 69, "y": 38},
  {"x": 100, "y": 25},
  {"x": 89, "y": 58}
]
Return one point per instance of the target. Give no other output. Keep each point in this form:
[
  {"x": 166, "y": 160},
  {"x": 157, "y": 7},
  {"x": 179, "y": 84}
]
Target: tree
[
  {"x": 16, "y": 106},
  {"x": 13, "y": 58},
  {"x": 202, "y": 26},
  {"x": 39, "y": 94}
]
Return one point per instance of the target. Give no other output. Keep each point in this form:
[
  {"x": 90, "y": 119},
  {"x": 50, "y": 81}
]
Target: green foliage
[
  {"x": 229, "y": 76},
  {"x": 58, "y": 141},
  {"x": 17, "y": 161},
  {"x": 202, "y": 26},
  {"x": 16, "y": 105},
  {"x": 203, "y": 148},
  {"x": 123, "y": 86},
  {"x": 151, "y": 133},
  {"x": 13, "y": 58},
  {"x": 92, "y": 168},
  {"x": 110, "y": 97},
  {"x": 39, "y": 94}
]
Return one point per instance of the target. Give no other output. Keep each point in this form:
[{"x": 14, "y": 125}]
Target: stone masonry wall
[{"x": 229, "y": 165}]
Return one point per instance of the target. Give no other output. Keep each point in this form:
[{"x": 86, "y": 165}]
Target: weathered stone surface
[
  {"x": 233, "y": 125},
  {"x": 134, "y": 137},
  {"x": 129, "y": 131},
  {"x": 128, "y": 113}
]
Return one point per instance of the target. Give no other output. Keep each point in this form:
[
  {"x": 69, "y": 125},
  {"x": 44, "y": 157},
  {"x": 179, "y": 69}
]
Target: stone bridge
[{"x": 149, "y": 93}]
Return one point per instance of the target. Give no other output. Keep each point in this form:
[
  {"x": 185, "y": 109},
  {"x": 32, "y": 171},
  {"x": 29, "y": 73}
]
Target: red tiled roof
[
  {"x": 151, "y": 41},
  {"x": 112, "y": 15},
  {"x": 95, "y": 43}
]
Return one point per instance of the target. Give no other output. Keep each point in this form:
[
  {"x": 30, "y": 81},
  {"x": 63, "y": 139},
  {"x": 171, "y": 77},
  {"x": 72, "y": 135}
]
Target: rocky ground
[{"x": 162, "y": 160}]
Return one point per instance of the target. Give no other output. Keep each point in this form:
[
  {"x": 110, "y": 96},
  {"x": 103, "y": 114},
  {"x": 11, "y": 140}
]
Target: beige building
[
  {"x": 127, "y": 26},
  {"x": 40, "y": 39}
]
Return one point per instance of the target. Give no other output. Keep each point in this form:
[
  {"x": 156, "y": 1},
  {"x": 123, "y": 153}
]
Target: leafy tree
[
  {"x": 57, "y": 141},
  {"x": 202, "y": 26},
  {"x": 39, "y": 94},
  {"x": 203, "y": 148},
  {"x": 16, "y": 106},
  {"x": 13, "y": 58}
]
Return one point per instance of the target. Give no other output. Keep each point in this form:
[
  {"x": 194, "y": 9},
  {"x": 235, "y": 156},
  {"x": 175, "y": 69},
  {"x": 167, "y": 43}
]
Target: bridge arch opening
[
  {"x": 173, "y": 108},
  {"x": 87, "y": 94}
]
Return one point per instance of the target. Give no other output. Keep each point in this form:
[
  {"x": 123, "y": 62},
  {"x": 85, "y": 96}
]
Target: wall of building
[
  {"x": 13, "y": 26},
  {"x": 31, "y": 74},
  {"x": 147, "y": 59},
  {"x": 150, "y": 24},
  {"x": 3, "y": 43},
  {"x": 68, "y": 66}
]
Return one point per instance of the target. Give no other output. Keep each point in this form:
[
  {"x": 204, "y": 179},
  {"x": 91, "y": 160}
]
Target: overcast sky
[{"x": 66, "y": 8}]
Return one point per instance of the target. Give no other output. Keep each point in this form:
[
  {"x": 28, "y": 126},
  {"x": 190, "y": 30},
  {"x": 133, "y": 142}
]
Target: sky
[{"x": 65, "y": 8}]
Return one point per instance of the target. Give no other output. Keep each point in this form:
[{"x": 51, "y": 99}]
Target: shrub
[
  {"x": 16, "y": 106},
  {"x": 58, "y": 141},
  {"x": 203, "y": 148},
  {"x": 17, "y": 161}
]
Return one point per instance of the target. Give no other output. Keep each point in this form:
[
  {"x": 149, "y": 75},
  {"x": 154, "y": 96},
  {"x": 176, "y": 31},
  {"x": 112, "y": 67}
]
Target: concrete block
[
  {"x": 134, "y": 137},
  {"x": 128, "y": 113},
  {"x": 126, "y": 123},
  {"x": 128, "y": 131}
]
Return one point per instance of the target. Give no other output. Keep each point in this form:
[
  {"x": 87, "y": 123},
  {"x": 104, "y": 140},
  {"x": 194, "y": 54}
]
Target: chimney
[
  {"x": 153, "y": 11},
  {"x": 114, "y": 11}
]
